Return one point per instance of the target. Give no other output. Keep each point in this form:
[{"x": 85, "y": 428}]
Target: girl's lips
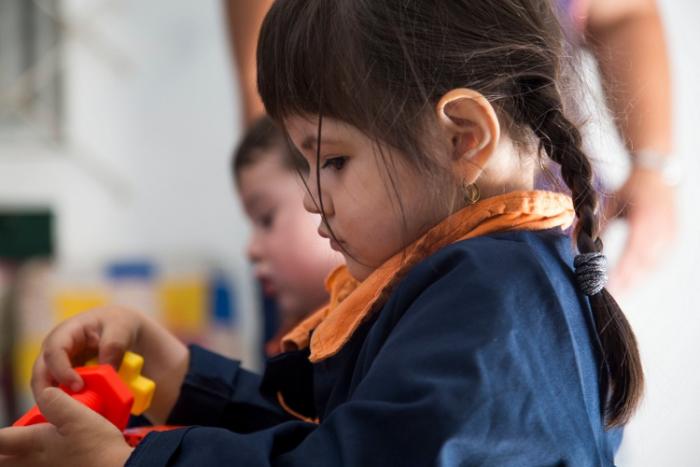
[{"x": 335, "y": 245}]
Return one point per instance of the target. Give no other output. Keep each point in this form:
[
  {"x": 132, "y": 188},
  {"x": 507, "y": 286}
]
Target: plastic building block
[
  {"x": 134, "y": 436},
  {"x": 106, "y": 393},
  {"x": 142, "y": 388},
  {"x": 103, "y": 392}
]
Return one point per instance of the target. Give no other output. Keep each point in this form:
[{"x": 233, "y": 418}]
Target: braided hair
[{"x": 560, "y": 140}]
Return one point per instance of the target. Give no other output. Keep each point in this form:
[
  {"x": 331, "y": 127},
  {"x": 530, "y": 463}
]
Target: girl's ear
[{"x": 469, "y": 122}]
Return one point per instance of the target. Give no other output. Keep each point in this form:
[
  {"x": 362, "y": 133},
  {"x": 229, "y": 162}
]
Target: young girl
[
  {"x": 463, "y": 330},
  {"x": 291, "y": 261}
]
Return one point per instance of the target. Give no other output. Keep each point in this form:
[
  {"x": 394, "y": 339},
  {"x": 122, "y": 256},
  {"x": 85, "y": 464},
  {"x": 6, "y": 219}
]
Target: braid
[{"x": 621, "y": 370}]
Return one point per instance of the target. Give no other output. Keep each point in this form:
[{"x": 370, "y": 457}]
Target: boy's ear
[{"x": 470, "y": 123}]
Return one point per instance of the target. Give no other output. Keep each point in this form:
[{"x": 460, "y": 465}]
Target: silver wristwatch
[{"x": 668, "y": 166}]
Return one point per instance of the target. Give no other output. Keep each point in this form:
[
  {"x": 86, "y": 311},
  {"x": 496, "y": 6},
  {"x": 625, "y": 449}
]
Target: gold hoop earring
[{"x": 471, "y": 192}]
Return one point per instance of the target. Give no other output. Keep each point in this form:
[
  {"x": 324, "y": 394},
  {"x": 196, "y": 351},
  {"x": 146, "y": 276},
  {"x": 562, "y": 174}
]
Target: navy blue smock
[{"x": 484, "y": 354}]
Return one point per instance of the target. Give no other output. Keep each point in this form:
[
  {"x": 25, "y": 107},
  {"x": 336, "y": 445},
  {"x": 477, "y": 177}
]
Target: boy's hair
[
  {"x": 382, "y": 66},
  {"x": 262, "y": 138}
]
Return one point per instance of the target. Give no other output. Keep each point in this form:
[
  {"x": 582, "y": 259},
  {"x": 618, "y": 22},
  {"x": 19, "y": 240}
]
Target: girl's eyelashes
[{"x": 337, "y": 162}]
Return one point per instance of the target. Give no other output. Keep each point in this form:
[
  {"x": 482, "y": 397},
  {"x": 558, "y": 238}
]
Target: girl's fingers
[
  {"x": 10, "y": 461},
  {"x": 18, "y": 441},
  {"x": 114, "y": 341},
  {"x": 74, "y": 342},
  {"x": 41, "y": 378},
  {"x": 66, "y": 341},
  {"x": 66, "y": 413},
  {"x": 61, "y": 368}
]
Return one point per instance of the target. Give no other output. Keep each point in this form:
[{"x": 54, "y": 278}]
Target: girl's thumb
[{"x": 60, "y": 409}]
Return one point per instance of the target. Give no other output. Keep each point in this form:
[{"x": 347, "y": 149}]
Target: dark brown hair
[
  {"x": 263, "y": 137},
  {"x": 381, "y": 66}
]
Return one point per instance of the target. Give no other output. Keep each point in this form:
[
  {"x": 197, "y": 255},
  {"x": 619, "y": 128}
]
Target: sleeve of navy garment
[
  {"x": 218, "y": 392},
  {"x": 478, "y": 369}
]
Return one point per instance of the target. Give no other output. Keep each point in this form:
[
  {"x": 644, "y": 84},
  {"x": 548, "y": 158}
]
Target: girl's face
[
  {"x": 360, "y": 201},
  {"x": 290, "y": 259}
]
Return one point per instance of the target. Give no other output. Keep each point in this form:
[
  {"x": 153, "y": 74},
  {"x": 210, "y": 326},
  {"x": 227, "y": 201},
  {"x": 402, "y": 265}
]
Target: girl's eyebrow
[{"x": 309, "y": 142}]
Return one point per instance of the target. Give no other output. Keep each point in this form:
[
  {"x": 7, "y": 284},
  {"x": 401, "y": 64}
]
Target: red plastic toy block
[
  {"x": 134, "y": 436},
  {"x": 103, "y": 391}
]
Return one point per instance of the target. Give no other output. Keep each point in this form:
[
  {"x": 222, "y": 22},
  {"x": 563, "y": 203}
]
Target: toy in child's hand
[{"x": 113, "y": 395}]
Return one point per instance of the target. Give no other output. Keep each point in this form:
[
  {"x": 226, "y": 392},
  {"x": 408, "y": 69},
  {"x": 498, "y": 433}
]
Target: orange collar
[{"x": 352, "y": 302}]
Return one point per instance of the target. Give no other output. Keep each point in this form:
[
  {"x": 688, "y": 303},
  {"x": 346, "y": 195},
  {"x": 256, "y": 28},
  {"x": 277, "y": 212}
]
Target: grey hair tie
[{"x": 591, "y": 271}]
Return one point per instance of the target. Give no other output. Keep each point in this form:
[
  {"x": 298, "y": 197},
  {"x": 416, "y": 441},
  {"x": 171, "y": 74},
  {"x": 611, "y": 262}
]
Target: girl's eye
[{"x": 337, "y": 163}]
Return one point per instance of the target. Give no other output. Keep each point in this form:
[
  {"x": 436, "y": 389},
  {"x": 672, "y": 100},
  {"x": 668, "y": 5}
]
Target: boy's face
[{"x": 290, "y": 259}]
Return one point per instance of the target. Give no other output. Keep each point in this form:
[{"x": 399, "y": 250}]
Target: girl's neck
[{"x": 509, "y": 169}]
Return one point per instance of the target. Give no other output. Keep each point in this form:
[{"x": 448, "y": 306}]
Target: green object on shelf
[{"x": 26, "y": 233}]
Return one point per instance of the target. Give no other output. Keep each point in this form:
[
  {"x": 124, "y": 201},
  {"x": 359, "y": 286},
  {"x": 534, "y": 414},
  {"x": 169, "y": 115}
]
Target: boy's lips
[{"x": 268, "y": 286}]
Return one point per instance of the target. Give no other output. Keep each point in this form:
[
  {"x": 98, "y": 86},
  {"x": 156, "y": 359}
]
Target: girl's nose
[
  {"x": 312, "y": 194},
  {"x": 312, "y": 201}
]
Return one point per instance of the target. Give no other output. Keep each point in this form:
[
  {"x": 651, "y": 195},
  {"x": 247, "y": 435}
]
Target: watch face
[{"x": 666, "y": 164}]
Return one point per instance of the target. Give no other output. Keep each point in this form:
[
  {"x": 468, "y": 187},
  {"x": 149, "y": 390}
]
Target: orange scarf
[{"x": 351, "y": 302}]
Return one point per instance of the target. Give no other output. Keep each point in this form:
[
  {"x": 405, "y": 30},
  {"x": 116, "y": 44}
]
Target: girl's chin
[{"x": 358, "y": 271}]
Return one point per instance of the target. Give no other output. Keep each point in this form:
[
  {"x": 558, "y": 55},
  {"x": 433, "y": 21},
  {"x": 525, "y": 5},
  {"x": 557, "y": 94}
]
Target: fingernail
[{"x": 76, "y": 386}]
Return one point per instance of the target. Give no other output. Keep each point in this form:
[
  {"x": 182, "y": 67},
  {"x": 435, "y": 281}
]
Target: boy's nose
[{"x": 254, "y": 250}]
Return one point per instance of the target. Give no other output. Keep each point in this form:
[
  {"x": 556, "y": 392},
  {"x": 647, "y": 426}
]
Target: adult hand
[{"x": 648, "y": 204}]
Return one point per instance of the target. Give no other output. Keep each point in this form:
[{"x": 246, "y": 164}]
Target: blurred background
[{"x": 117, "y": 121}]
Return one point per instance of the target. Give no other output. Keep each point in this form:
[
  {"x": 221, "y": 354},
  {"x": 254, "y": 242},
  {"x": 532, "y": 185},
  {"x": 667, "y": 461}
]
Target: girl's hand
[
  {"x": 108, "y": 333},
  {"x": 105, "y": 333},
  {"x": 75, "y": 436}
]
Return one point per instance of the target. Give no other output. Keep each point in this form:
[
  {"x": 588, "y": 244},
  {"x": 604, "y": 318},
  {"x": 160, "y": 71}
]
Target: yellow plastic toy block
[{"x": 142, "y": 387}]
